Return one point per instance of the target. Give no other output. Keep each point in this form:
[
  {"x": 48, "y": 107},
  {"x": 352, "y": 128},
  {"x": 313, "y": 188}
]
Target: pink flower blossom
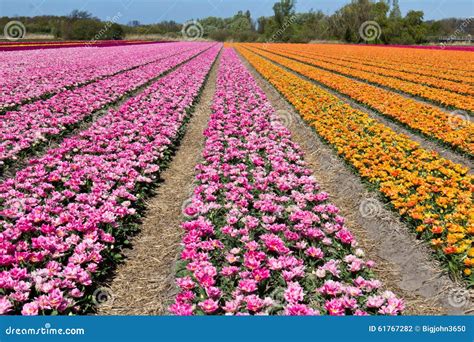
[
  {"x": 248, "y": 285},
  {"x": 5, "y": 305},
  {"x": 345, "y": 236},
  {"x": 294, "y": 293},
  {"x": 314, "y": 252},
  {"x": 300, "y": 310},
  {"x": 185, "y": 283},
  {"x": 375, "y": 301},
  {"x": 335, "y": 307},
  {"x": 254, "y": 303},
  {"x": 209, "y": 306},
  {"x": 182, "y": 309},
  {"x": 30, "y": 309},
  {"x": 331, "y": 288}
]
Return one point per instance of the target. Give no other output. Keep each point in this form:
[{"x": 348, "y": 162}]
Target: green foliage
[
  {"x": 84, "y": 29},
  {"x": 283, "y": 11},
  {"x": 115, "y": 32},
  {"x": 283, "y": 26},
  {"x": 79, "y": 25}
]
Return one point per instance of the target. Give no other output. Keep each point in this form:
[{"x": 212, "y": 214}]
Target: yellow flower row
[
  {"x": 450, "y": 65},
  {"x": 432, "y": 193},
  {"x": 307, "y": 51},
  {"x": 439, "y": 96},
  {"x": 424, "y": 118}
]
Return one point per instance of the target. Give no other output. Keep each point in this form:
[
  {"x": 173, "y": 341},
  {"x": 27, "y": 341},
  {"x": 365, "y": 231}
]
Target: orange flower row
[
  {"x": 380, "y": 69},
  {"x": 423, "y": 118},
  {"x": 433, "y": 194},
  {"x": 443, "y": 97},
  {"x": 452, "y": 65}
]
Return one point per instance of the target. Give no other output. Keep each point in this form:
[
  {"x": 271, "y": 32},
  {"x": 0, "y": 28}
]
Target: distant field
[{"x": 55, "y": 44}]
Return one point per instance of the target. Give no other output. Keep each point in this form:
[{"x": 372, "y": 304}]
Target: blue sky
[{"x": 149, "y": 11}]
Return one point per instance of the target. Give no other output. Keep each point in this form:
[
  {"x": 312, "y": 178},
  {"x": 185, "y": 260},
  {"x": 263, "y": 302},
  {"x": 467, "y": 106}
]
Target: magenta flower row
[
  {"x": 63, "y": 216},
  {"x": 31, "y": 74},
  {"x": 36, "y": 122},
  {"x": 261, "y": 237}
]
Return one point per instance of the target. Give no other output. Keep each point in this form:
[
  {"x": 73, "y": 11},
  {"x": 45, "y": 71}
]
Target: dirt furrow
[
  {"x": 404, "y": 264},
  {"x": 144, "y": 283}
]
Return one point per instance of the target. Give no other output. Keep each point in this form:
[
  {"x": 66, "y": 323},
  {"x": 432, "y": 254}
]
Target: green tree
[
  {"x": 114, "y": 32},
  {"x": 311, "y": 26},
  {"x": 395, "y": 13},
  {"x": 284, "y": 10},
  {"x": 78, "y": 14},
  {"x": 261, "y": 24},
  {"x": 415, "y": 26}
]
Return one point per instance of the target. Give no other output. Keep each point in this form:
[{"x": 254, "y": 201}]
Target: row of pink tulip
[
  {"x": 36, "y": 122},
  {"x": 26, "y": 75},
  {"x": 65, "y": 216},
  {"x": 261, "y": 237}
]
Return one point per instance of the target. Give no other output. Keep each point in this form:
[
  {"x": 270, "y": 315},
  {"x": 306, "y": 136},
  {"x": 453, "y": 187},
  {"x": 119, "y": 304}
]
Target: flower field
[
  {"x": 378, "y": 77},
  {"x": 63, "y": 213},
  {"x": 429, "y": 120},
  {"x": 36, "y": 122},
  {"x": 434, "y": 194},
  {"x": 434, "y": 64},
  {"x": 71, "y": 67},
  {"x": 88, "y": 135},
  {"x": 268, "y": 257}
]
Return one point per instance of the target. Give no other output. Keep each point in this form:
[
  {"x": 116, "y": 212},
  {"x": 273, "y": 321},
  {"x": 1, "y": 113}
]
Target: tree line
[{"x": 285, "y": 25}]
